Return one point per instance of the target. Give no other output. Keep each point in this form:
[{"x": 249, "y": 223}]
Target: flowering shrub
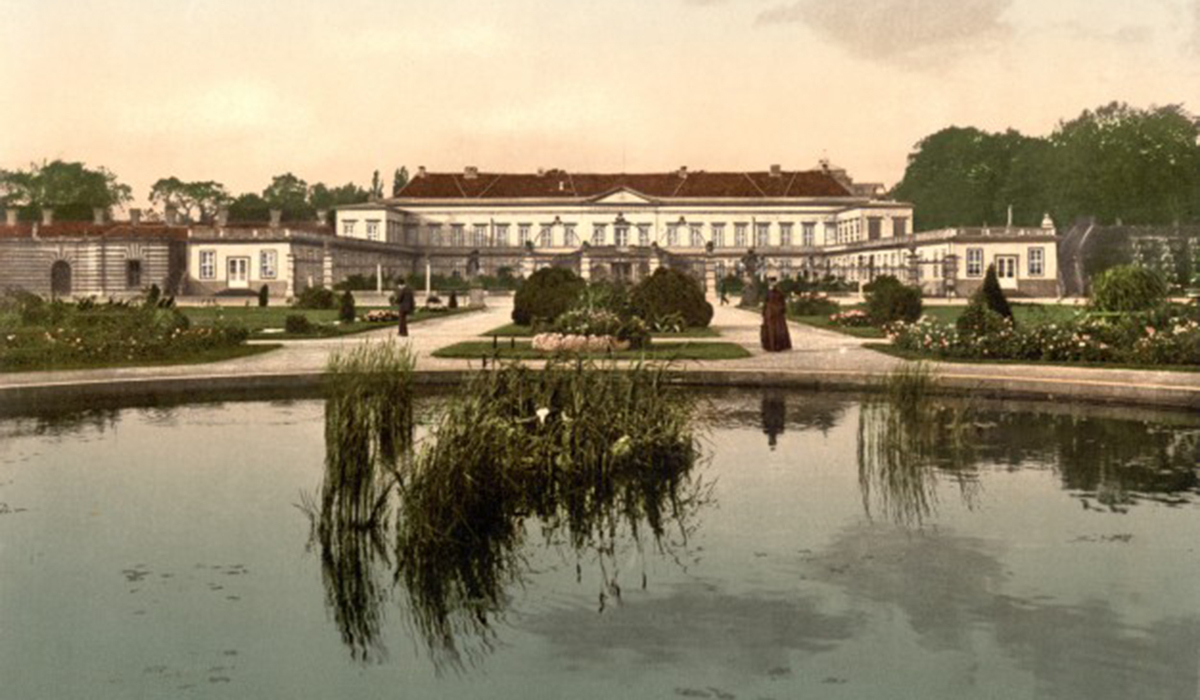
[
  {"x": 567, "y": 343},
  {"x": 812, "y": 304},
  {"x": 854, "y": 318},
  {"x": 601, "y": 322},
  {"x": 381, "y": 315},
  {"x": 1135, "y": 339}
]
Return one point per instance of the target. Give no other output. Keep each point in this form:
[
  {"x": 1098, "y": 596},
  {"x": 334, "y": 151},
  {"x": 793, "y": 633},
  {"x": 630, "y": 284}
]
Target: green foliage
[
  {"x": 546, "y": 294},
  {"x": 298, "y": 324},
  {"x": 889, "y": 300},
  {"x": 346, "y": 310},
  {"x": 316, "y": 298},
  {"x": 991, "y": 295},
  {"x": 249, "y": 208},
  {"x": 980, "y": 320},
  {"x": 321, "y": 196},
  {"x": 812, "y": 304},
  {"x": 264, "y": 296},
  {"x": 71, "y": 189},
  {"x": 195, "y": 201},
  {"x": 1128, "y": 288},
  {"x": 670, "y": 291},
  {"x": 399, "y": 180},
  {"x": 289, "y": 194}
]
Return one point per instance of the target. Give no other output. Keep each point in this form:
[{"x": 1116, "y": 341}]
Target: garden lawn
[
  {"x": 520, "y": 350},
  {"x": 267, "y": 323},
  {"x": 194, "y": 358},
  {"x": 888, "y": 349},
  {"x": 1023, "y": 314},
  {"x": 514, "y": 330}
]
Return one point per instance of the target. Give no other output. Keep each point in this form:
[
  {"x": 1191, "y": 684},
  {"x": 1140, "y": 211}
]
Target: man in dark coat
[
  {"x": 775, "y": 336},
  {"x": 404, "y": 299}
]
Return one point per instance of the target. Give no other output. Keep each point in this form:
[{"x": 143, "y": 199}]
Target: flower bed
[
  {"x": 854, "y": 318},
  {"x": 1153, "y": 339},
  {"x": 564, "y": 343}
]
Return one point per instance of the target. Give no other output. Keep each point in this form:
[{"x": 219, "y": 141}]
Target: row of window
[
  {"x": 268, "y": 264},
  {"x": 479, "y": 235},
  {"x": 1035, "y": 261}
]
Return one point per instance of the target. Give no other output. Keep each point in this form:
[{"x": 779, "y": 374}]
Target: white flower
[{"x": 541, "y": 414}]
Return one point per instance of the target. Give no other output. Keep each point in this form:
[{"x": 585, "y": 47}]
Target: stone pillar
[
  {"x": 428, "y": 278},
  {"x": 290, "y": 291},
  {"x": 585, "y": 266},
  {"x": 710, "y": 278},
  {"x": 378, "y": 278},
  {"x": 327, "y": 269}
]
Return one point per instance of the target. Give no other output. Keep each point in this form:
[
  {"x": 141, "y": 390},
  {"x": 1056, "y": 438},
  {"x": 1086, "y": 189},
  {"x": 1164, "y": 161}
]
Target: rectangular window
[
  {"x": 831, "y": 233},
  {"x": 696, "y": 233},
  {"x": 208, "y": 264},
  {"x": 673, "y": 235},
  {"x": 457, "y": 235},
  {"x": 522, "y": 234},
  {"x": 267, "y": 264},
  {"x": 808, "y": 235},
  {"x": 133, "y": 274},
  {"x": 762, "y": 235},
  {"x": 373, "y": 229},
  {"x": 480, "y": 237},
  {"x": 435, "y": 234},
  {"x": 598, "y": 234},
  {"x": 570, "y": 238},
  {"x": 785, "y": 234},
  {"x": 1037, "y": 261},
  {"x": 643, "y": 234},
  {"x": 974, "y": 262},
  {"x": 718, "y": 235},
  {"x": 739, "y": 235},
  {"x": 621, "y": 236},
  {"x": 899, "y": 226},
  {"x": 874, "y": 228},
  {"x": 502, "y": 235},
  {"x": 348, "y": 227},
  {"x": 546, "y": 236}
]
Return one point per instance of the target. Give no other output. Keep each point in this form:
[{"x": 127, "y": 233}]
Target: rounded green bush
[
  {"x": 890, "y": 300},
  {"x": 667, "y": 292},
  {"x": 1128, "y": 288},
  {"x": 546, "y": 294}
]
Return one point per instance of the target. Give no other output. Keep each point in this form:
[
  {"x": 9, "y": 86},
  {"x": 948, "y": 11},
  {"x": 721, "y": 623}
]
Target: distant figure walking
[
  {"x": 775, "y": 336},
  {"x": 404, "y": 300},
  {"x": 722, "y": 289}
]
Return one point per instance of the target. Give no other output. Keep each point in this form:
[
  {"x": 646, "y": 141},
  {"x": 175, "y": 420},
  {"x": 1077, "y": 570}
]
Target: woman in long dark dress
[{"x": 775, "y": 336}]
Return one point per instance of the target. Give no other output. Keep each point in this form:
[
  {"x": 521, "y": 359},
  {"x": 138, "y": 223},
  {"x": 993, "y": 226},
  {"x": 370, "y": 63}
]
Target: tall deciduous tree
[
  {"x": 399, "y": 180},
  {"x": 196, "y": 201},
  {"x": 71, "y": 189},
  {"x": 289, "y": 194},
  {"x": 321, "y": 196}
]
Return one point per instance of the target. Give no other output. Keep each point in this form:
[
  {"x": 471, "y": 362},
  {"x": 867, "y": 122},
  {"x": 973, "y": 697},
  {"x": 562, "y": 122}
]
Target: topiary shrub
[
  {"x": 316, "y": 298},
  {"x": 890, "y": 300},
  {"x": 1128, "y": 288},
  {"x": 346, "y": 310},
  {"x": 264, "y": 296},
  {"x": 453, "y": 299},
  {"x": 546, "y": 294},
  {"x": 992, "y": 295},
  {"x": 297, "y": 324},
  {"x": 667, "y": 292}
]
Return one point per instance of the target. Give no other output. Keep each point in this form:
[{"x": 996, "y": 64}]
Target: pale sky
[{"x": 240, "y": 90}]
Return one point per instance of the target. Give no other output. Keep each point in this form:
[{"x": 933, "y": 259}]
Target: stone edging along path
[{"x": 819, "y": 360}]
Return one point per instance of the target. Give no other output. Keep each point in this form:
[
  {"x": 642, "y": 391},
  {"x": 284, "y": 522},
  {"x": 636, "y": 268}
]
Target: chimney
[
  {"x": 776, "y": 171},
  {"x": 1010, "y": 216},
  {"x": 135, "y": 217},
  {"x": 10, "y": 216},
  {"x": 541, "y": 172},
  {"x": 322, "y": 216},
  {"x": 170, "y": 215},
  {"x": 47, "y": 217},
  {"x": 276, "y": 215},
  {"x": 470, "y": 173},
  {"x": 222, "y": 216},
  {"x": 683, "y": 171},
  {"x": 420, "y": 171},
  {"x": 99, "y": 216}
]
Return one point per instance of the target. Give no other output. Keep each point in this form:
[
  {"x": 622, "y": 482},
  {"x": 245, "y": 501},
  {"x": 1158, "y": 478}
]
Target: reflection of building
[{"x": 802, "y": 223}]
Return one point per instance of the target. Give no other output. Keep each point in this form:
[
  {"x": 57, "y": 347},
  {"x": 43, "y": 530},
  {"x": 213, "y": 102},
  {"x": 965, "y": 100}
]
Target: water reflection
[{"x": 774, "y": 417}]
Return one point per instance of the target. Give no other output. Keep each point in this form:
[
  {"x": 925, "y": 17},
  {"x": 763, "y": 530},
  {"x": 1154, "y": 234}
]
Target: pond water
[{"x": 1014, "y": 550}]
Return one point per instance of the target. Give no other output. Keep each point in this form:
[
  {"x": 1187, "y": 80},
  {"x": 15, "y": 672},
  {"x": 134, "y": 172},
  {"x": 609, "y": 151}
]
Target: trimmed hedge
[
  {"x": 545, "y": 295},
  {"x": 890, "y": 300},
  {"x": 668, "y": 292}
]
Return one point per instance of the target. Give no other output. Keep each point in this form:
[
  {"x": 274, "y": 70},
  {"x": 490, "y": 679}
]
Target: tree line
[
  {"x": 1114, "y": 163},
  {"x": 73, "y": 190}
]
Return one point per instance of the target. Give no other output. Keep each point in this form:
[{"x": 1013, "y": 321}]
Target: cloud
[{"x": 887, "y": 29}]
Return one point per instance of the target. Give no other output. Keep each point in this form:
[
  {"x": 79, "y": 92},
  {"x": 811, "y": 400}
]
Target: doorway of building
[
  {"x": 1006, "y": 271},
  {"x": 239, "y": 273},
  {"x": 60, "y": 278}
]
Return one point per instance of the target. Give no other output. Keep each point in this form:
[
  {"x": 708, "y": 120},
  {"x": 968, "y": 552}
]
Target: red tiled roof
[
  {"x": 558, "y": 183},
  {"x": 81, "y": 229}
]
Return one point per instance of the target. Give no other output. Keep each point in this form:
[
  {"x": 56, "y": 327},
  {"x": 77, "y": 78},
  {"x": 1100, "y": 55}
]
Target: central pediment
[{"x": 625, "y": 196}]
